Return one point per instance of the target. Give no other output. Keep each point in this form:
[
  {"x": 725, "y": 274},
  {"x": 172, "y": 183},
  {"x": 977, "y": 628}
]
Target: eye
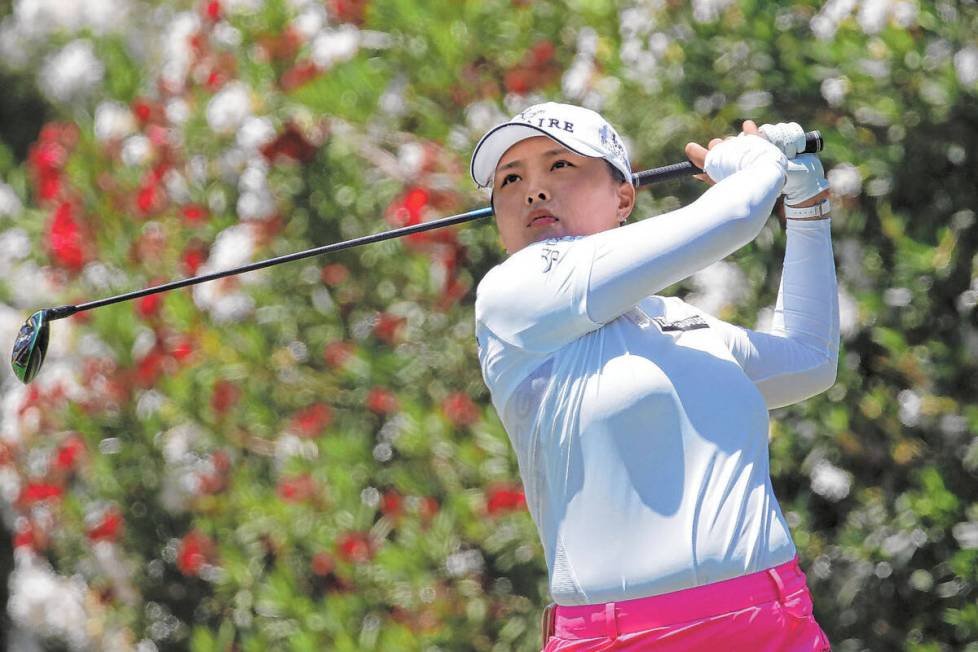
[
  {"x": 509, "y": 178},
  {"x": 561, "y": 163}
]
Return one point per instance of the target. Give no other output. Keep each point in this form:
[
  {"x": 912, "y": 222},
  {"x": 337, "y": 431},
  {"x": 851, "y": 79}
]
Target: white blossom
[
  {"x": 72, "y": 72},
  {"x": 910, "y": 405},
  {"x": 333, "y": 46},
  {"x": 835, "y": 89},
  {"x": 707, "y": 11},
  {"x": 113, "y": 121},
  {"x": 229, "y": 108},
  {"x": 136, "y": 150},
  {"x": 47, "y": 603},
  {"x": 873, "y": 15},
  {"x": 255, "y": 132},
  {"x": 177, "y": 51},
  {"x": 845, "y": 180},
  {"x": 848, "y": 314},
  {"x": 717, "y": 286},
  {"x": 829, "y": 481},
  {"x": 966, "y": 66},
  {"x": 310, "y": 20},
  {"x": 464, "y": 562},
  {"x": 825, "y": 23},
  {"x": 9, "y": 202}
]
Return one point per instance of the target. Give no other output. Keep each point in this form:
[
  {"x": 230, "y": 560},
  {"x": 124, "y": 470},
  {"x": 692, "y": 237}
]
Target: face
[{"x": 542, "y": 190}]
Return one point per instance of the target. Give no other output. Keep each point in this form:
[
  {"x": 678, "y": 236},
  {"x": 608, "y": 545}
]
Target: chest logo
[
  {"x": 689, "y": 324},
  {"x": 549, "y": 255}
]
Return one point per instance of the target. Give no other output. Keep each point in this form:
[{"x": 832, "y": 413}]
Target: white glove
[
  {"x": 739, "y": 153},
  {"x": 805, "y": 179},
  {"x": 789, "y": 137}
]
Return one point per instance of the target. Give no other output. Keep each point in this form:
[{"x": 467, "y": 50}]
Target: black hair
[{"x": 616, "y": 174}]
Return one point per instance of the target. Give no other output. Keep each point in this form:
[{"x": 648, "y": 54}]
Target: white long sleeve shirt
[{"x": 640, "y": 423}]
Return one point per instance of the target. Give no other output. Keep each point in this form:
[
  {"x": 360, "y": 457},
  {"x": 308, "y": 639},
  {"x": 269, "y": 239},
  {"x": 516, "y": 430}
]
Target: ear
[{"x": 626, "y": 200}]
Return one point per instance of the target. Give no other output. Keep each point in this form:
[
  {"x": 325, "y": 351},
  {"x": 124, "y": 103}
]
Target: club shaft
[{"x": 641, "y": 179}]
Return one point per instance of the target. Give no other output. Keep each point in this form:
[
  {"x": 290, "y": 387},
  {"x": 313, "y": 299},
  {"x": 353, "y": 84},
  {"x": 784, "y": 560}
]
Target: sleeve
[
  {"x": 798, "y": 357},
  {"x": 536, "y": 300},
  {"x": 640, "y": 259},
  {"x": 549, "y": 294}
]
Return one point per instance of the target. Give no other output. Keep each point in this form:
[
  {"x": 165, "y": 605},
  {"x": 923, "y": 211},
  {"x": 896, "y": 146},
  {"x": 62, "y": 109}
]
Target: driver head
[{"x": 30, "y": 347}]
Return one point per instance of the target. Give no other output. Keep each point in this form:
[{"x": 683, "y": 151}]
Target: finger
[
  {"x": 715, "y": 142},
  {"x": 705, "y": 178},
  {"x": 749, "y": 127},
  {"x": 696, "y": 154}
]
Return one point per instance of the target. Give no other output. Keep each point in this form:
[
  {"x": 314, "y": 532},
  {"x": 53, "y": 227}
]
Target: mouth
[{"x": 540, "y": 217}]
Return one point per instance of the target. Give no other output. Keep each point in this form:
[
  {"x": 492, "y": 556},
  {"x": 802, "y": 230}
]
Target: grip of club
[{"x": 813, "y": 145}]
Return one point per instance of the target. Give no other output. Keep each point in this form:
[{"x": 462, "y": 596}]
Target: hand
[
  {"x": 789, "y": 137},
  {"x": 806, "y": 180},
  {"x": 697, "y": 154}
]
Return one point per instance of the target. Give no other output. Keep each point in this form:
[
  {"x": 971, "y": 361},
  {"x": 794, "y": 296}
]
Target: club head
[{"x": 30, "y": 347}]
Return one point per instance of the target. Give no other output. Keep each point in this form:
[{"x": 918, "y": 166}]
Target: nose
[{"x": 539, "y": 195}]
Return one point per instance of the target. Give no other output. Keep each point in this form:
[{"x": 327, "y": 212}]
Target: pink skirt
[{"x": 768, "y": 611}]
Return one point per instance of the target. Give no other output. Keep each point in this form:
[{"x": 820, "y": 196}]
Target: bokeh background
[{"x": 305, "y": 458}]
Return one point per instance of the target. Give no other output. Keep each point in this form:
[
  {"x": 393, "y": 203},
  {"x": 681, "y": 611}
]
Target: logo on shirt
[
  {"x": 549, "y": 255},
  {"x": 689, "y": 324}
]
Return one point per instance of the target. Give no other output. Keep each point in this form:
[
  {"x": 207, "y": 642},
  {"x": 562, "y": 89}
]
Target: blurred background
[{"x": 306, "y": 458}]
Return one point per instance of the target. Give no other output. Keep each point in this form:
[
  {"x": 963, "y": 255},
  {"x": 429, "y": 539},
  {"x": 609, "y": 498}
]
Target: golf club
[{"x": 31, "y": 344}]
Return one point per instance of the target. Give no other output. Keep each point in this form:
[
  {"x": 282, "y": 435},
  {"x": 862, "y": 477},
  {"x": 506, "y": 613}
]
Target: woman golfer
[{"x": 640, "y": 423}]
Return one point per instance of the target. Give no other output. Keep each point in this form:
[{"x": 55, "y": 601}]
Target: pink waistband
[{"x": 628, "y": 616}]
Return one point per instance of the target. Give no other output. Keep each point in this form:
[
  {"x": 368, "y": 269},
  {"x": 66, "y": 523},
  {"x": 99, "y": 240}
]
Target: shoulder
[{"x": 528, "y": 267}]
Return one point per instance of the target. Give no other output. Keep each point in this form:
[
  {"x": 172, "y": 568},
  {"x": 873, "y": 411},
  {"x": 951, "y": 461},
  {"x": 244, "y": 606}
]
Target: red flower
[
  {"x": 334, "y": 274},
  {"x": 24, "y": 536},
  {"x": 142, "y": 109},
  {"x": 392, "y": 504},
  {"x": 336, "y": 354},
  {"x": 68, "y": 453},
  {"x": 349, "y": 11},
  {"x": 323, "y": 564},
  {"x": 388, "y": 327},
  {"x": 355, "y": 547},
  {"x": 460, "y": 410},
  {"x": 107, "y": 529},
  {"x": 149, "y": 306},
  {"x": 181, "y": 347},
  {"x": 311, "y": 421},
  {"x": 193, "y": 257},
  {"x": 38, "y": 491},
  {"x": 150, "y": 196},
  {"x": 212, "y": 10},
  {"x": 429, "y": 508},
  {"x": 281, "y": 47},
  {"x": 291, "y": 143},
  {"x": 150, "y": 367},
  {"x": 196, "y": 549},
  {"x": 408, "y": 210},
  {"x": 297, "y": 488},
  {"x": 225, "y": 395},
  {"x": 505, "y": 498},
  {"x": 194, "y": 213},
  {"x": 299, "y": 74},
  {"x": 64, "y": 238},
  {"x": 381, "y": 401}
]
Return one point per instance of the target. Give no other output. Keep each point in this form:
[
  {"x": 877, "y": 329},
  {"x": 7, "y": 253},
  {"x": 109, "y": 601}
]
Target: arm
[
  {"x": 640, "y": 259},
  {"x": 550, "y": 293},
  {"x": 798, "y": 357}
]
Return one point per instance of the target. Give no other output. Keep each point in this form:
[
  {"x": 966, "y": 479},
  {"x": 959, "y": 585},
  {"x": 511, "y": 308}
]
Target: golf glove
[
  {"x": 805, "y": 179},
  {"x": 789, "y": 137},
  {"x": 739, "y": 153}
]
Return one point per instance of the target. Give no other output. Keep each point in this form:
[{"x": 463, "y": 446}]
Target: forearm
[
  {"x": 798, "y": 358},
  {"x": 640, "y": 259}
]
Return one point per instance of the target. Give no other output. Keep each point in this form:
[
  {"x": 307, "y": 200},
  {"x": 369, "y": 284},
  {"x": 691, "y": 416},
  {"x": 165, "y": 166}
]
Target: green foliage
[{"x": 306, "y": 458}]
